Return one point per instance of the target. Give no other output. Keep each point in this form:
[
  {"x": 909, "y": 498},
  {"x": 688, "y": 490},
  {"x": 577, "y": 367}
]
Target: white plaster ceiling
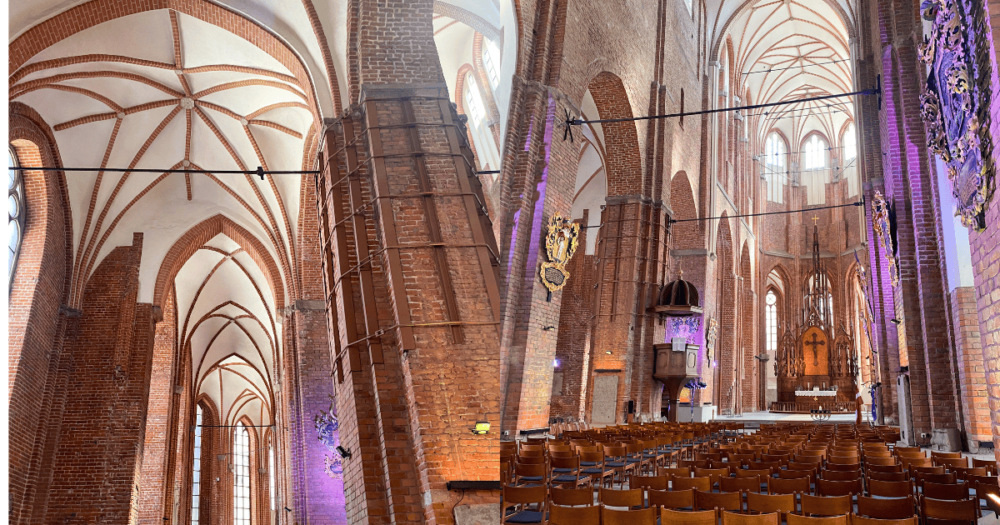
[{"x": 784, "y": 50}]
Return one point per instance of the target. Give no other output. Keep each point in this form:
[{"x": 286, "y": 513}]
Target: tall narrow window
[
  {"x": 241, "y": 471},
  {"x": 491, "y": 61},
  {"x": 771, "y": 318},
  {"x": 850, "y": 143},
  {"x": 15, "y": 213},
  {"x": 270, "y": 471},
  {"x": 774, "y": 167},
  {"x": 196, "y": 470},
  {"x": 474, "y": 103},
  {"x": 816, "y": 149},
  {"x": 690, "y": 6}
]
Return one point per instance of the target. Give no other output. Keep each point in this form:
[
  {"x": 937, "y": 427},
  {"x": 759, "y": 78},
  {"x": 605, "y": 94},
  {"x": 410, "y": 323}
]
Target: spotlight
[
  {"x": 482, "y": 427},
  {"x": 895, "y": 321},
  {"x": 555, "y": 363},
  {"x": 549, "y": 328},
  {"x": 344, "y": 453},
  {"x": 608, "y": 352}
]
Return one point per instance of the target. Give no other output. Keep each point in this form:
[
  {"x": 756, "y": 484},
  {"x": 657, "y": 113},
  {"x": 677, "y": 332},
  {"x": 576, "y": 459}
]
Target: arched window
[
  {"x": 771, "y": 320},
  {"x": 196, "y": 470},
  {"x": 241, "y": 473},
  {"x": 15, "y": 212},
  {"x": 473, "y": 102},
  {"x": 850, "y": 143},
  {"x": 690, "y": 6},
  {"x": 491, "y": 62},
  {"x": 774, "y": 167},
  {"x": 816, "y": 150},
  {"x": 270, "y": 470}
]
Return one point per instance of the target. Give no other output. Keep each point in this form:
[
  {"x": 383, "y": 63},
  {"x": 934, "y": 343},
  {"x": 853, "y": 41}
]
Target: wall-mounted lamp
[
  {"x": 555, "y": 363},
  {"x": 608, "y": 352},
  {"x": 482, "y": 427},
  {"x": 895, "y": 321},
  {"x": 344, "y": 453},
  {"x": 548, "y": 328}
]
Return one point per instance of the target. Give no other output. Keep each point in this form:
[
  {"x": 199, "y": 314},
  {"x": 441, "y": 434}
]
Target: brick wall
[{"x": 158, "y": 418}]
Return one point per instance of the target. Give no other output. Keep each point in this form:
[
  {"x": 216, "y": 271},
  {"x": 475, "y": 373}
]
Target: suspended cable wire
[
  {"x": 859, "y": 203},
  {"x": 797, "y": 67},
  {"x": 571, "y": 121},
  {"x": 260, "y": 172}
]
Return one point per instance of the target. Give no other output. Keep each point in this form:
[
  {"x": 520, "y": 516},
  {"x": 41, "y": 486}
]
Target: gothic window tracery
[
  {"x": 774, "y": 167},
  {"x": 196, "y": 470},
  {"x": 241, "y": 475},
  {"x": 491, "y": 62},
  {"x": 15, "y": 213}
]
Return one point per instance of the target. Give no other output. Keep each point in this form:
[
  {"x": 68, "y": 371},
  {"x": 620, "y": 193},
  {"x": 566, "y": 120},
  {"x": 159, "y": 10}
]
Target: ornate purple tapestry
[
  {"x": 955, "y": 102},
  {"x": 327, "y": 428}
]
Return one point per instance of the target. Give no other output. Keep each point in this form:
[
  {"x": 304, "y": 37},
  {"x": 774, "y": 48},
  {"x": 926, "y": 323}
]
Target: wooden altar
[{"x": 811, "y": 355}]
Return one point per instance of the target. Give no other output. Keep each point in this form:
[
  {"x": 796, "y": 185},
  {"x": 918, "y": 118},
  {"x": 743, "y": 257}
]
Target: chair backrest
[
  {"x": 966, "y": 473},
  {"x": 887, "y": 461},
  {"x": 889, "y": 489},
  {"x": 671, "y": 499},
  {"x": 681, "y": 472},
  {"x": 571, "y": 496},
  {"x": 858, "y": 520},
  {"x": 530, "y": 470},
  {"x": 559, "y": 515},
  {"x": 705, "y": 517},
  {"x": 715, "y": 473},
  {"x": 746, "y": 484},
  {"x": 921, "y": 477},
  {"x": 826, "y": 505},
  {"x": 811, "y": 520},
  {"x": 840, "y": 475},
  {"x": 825, "y": 487},
  {"x": 750, "y": 473},
  {"x": 718, "y": 500},
  {"x": 886, "y": 508},
  {"x": 888, "y": 476},
  {"x": 704, "y": 483},
  {"x": 790, "y": 474},
  {"x": 962, "y": 510},
  {"x": 629, "y": 517},
  {"x": 950, "y": 455},
  {"x": 787, "y": 486},
  {"x": 991, "y": 465},
  {"x": 523, "y": 496},
  {"x": 910, "y": 462},
  {"x": 844, "y": 466},
  {"x": 783, "y": 503},
  {"x": 913, "y": 452},
  {"x": 952, "y": 491},
  {"x": 621, "y": 498},
  {"x": 649, "y": 482},
  {"x": 729, "y": 518},
  {"x": 952, "y": 463}
]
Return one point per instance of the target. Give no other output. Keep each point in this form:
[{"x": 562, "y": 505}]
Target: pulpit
[{"x": 675, "y": 365}]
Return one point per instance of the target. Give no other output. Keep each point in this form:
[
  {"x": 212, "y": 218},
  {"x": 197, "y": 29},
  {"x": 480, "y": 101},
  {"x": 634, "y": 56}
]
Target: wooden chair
[
  {"x": 673, "y": 517},
  {"x": 559, "y": 515},
  {"x": 843, "y": 466},
  {"x": 788, "y": 486},
  {"x": 951, "y": 463},
  {"x": 629, "y": 517},
  {"x": 946, "y": 455},
  {"x": 566, "y": 472},
  {"x": 809, "y": 520},
  {"x": 649, "y": 482},
  {"x": 881, "y": 462},
  {"x": 963, "y": 474},
  {"x": 949, "y": 491},
  {"x": 792, "y": 474},
  {"x": 886, "y": 508},
  {"x": 718, "y": 500},
  {"x": 522, "y": 497},
  {"x": 530, "y": 474},
  {"x": 920, "y": 478},
  {"x": 858, "y": 520},
  {"x": 571, "y": 497},
  {"x": 826, "y": 487},
  {"x": 989, "y": 464},
  {"x": 783, "y": 503},
  {"x": 620, "y": 498},
  {"x": 826, "y": 505},
  {"x": 984, "y": 487},
  {"x": 616, "y": 458},
  {"x": 889, "y": 489},
  {"x": 597, "y": 470},
  {"x": 729, "y": 518},
  {"x": 748, "y": 484},
  {"x": 913, "y": 452},
  {"x": 679, "y": 472},
  {"x": 947, "y": 511},
  {"x": 677, "y": 483},
  {"x": 714, "y": 474},
  {"x": 910, "y": 462},
  {"x": 671, "y": 499}
]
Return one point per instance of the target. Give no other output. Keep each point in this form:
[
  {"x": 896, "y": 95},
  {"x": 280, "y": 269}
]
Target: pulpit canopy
[{"x": 679, "y": 297}]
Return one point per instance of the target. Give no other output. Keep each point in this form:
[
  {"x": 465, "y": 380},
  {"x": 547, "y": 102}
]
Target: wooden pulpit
[{"x": 675, "y": 368}]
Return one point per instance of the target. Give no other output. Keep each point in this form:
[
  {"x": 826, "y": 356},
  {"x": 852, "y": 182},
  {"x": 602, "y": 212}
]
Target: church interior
[{"x": 503, "y": 261}]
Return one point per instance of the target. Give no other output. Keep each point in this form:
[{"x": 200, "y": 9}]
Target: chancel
[{"x": 379, "y": 262}]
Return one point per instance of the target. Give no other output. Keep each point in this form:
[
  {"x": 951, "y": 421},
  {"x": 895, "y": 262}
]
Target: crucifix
[
  {"x": 814, "y": 343},
  {"x": 815, "y": 221}
]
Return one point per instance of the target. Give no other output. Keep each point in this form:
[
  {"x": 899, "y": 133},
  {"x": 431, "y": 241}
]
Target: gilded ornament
[
  {"x": 560, "y": 245},
  {"x": 882, "y": 228}
]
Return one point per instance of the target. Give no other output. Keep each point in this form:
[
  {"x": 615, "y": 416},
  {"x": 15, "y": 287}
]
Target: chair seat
[
  {"x": 588, "y": 463},
  {"x": 633, "y": 461},
  {"x": 650, "y": 455},
  {"x": 565, "y": 479},
  {"x": 615, "y": 464},
  {"x": 530, "y": 478},
  {"x": 562, "y": 470},
  {"x": 592, "y": 471},
  {"x": 526, "y": 516}
]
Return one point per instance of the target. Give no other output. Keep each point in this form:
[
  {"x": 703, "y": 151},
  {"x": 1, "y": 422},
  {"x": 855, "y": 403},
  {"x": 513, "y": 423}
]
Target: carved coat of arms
[
  {"x": 882, "y": 224},
  {"x": 956, "y": 93},
  {"x": 560, "y": 245}
]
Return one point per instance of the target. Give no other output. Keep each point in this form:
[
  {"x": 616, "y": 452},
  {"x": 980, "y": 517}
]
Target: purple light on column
[{"x": 555, "y": 363}]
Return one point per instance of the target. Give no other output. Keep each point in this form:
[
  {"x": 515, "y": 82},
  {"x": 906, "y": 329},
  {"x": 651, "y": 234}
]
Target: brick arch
[
  {"x": 198, "y": 235},
  {"x": 686, "y": 235},
  {"x": 726, "y": 310},
  {"x": 621, "y": 139}
]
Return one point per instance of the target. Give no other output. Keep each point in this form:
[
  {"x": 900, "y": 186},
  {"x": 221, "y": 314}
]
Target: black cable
[
  {"x": 797, "y": 67},
  {"x": 147, "y": 170},
  {"x": 578, "y": 122},
  {"x": 859, "y": 203}
]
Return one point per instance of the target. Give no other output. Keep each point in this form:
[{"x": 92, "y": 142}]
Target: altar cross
[{"x": 814, "y": 343}]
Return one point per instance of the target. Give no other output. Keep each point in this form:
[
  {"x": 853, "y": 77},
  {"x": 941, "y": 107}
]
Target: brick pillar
[
  {"x": 415, "y": 322},
  {"x": 971, "y": 372},
  {"x": 99, "y": 451}
]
